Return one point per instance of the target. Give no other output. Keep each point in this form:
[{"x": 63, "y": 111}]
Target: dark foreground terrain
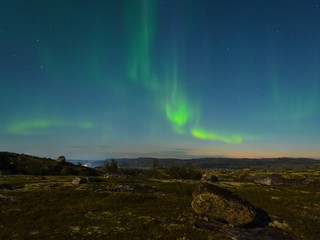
[
  {"x": 45, "y": 199},
  {"x": 140, "y": 207}
]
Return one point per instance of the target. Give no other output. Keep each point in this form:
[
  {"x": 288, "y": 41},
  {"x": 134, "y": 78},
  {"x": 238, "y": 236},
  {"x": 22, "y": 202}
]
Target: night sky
[{"x": 163, "y": 78}]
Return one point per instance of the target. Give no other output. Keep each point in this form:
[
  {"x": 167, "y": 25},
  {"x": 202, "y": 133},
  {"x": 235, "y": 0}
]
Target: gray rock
[
  {"x": 79, "y": 180},
  {"x": 269, "y": 180},
  {"x": 208, "y": 177},
  {"x": 218, "y": 204},
  {"x": 61, "y": 159}
]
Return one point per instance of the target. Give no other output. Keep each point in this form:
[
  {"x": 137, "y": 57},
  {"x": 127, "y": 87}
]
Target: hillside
[{"x": 14, "y": 163}]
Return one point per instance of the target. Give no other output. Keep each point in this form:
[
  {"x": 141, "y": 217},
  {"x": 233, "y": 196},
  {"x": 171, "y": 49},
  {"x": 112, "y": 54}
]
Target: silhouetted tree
[
  {"x": 155, "y": 164},
  {"x": 111, "y": 166}
]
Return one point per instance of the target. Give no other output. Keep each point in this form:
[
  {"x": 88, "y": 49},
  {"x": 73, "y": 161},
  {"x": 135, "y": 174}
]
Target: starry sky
[{"x": 164, "y": 78}]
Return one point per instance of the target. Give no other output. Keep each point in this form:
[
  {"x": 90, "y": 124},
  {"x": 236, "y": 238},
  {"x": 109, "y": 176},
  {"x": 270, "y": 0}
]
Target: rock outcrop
[{"x": 218, "y": 204}]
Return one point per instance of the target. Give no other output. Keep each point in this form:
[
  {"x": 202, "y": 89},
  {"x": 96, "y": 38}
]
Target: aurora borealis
[{"x": 163, "y": 78}]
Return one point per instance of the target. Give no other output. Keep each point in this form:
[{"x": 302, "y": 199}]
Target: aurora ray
[
  {"x": 141, "y": 23},
  {"x": 178, "y": 110}
]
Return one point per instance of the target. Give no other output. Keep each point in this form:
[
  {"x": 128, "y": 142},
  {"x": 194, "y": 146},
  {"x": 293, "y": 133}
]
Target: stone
[
  {"x": 208, "y": 177},
  {"x": 219, "y": 204},
  {"x": 269, "y": 180},
  {"x": 61, "y": 159},
  {"x": 79, "y": 180}
]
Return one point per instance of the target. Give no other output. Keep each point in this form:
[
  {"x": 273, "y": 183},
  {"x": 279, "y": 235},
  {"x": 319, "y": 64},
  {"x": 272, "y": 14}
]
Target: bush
[
  {"x": 185, "y": 172},
  {"x": 111, "y": 166},
  {"x": 155, "y": 164},
  {"x": 68, "y": 170}
]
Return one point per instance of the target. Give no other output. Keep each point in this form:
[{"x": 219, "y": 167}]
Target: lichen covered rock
[{"x": 219, "y": 204}]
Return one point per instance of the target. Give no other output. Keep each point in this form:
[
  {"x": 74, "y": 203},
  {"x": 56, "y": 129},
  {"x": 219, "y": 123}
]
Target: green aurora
[
  {"x": 151, "y": 74},
  {"x": 43, "y": 126}
]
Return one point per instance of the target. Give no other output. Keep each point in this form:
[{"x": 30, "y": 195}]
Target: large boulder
[{"x": 218, "y": 204}]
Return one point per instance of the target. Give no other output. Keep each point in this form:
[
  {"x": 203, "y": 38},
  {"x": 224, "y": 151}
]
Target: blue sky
[{"x": 128, "y": 78}]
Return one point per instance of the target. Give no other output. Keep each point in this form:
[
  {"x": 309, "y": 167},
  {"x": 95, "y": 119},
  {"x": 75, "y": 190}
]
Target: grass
[
  {"x": 50, "y": 207},
  {"x": 78, "y": 214}
]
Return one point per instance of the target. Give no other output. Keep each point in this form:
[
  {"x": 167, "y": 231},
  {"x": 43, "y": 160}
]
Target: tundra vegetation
[{"x": 150, "y": 203}]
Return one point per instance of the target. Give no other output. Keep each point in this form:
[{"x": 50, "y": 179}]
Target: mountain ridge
[{"x": 284, "y": 163}]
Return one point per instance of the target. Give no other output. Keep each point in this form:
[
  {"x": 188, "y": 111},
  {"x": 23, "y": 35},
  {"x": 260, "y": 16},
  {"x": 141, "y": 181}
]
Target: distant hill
[
  {"x": 261, "y": 164},
  {"x": 219, "y": 163},
  {"x": 14, "y": 163}
]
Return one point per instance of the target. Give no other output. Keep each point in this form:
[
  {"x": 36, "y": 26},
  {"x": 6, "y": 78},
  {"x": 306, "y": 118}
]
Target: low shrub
[
  {"x": 185, "y": 172},
  {"x": 111, "y": 166}
]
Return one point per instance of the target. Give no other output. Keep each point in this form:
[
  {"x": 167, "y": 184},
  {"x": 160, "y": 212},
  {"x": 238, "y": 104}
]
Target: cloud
[
  {"x": 102, "y": 146},
  {"x": 172, "y": 152}
]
